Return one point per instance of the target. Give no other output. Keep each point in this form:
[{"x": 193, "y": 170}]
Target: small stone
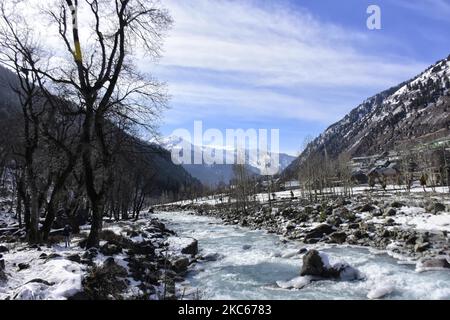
[{"x": 23, "y": 266}]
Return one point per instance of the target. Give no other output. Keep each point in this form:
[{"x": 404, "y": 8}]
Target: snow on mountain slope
[
  {"x": 414, "y": 111},
  {"x": 214, "y": 174}
]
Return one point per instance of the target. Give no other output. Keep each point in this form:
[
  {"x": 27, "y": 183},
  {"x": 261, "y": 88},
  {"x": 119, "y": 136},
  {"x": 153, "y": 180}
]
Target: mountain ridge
[{"x": 413, "y": 110}]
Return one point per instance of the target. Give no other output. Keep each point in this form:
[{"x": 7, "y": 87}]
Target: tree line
[{"x": 68, "y": 142}]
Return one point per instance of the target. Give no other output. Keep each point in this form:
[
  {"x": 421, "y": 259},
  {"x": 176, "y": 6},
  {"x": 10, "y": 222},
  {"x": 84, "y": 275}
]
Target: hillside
[
  {"x": 412, "y": 112},
  {"x": 169, "y": 177}
]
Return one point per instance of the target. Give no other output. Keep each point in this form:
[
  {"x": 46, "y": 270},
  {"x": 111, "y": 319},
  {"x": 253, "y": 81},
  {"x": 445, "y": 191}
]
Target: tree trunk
[
  {"x": 33, "y": 234},
  {"x": 96, "y": 225}
]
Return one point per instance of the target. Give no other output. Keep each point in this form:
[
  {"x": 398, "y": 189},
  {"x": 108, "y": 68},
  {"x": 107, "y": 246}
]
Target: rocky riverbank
[
  {"x": 136, "y": 260},
  {"x": 414, "y": 228}
]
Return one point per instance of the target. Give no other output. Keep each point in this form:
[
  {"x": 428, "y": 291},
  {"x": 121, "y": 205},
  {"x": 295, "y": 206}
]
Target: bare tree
[{"x": 106, "y": 86}]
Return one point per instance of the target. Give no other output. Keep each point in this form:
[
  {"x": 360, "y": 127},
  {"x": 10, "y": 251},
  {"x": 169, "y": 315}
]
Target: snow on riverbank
[{"x": 41, "y": 275}]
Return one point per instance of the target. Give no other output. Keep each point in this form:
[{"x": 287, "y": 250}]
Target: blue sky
[{"x": 297, "y": 66}]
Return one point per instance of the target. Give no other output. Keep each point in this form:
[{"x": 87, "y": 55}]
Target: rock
[
  {"x": 246, "y": 247},
  {"x": 438, "y": 207},
  {"x": 367, "y": 207},
  {"x": 180, "y": 265},
  {"x": 411, "y": 240},
  {"x": 441, "y": 263},
  {"x": 344, "y": 272},
  {"x": 110, "y": 249},
  {"x": 2, "y": 265},
  {"x": 3, "y": 249},
  {"x": 317, "y": 265},
  {"x": 43, "y": 256},
  {"x": 386, "y": 233},
  {"x": 334, "y": 221},
  {"x": 338, "y": 237},
  {"x": 145, "y": 248},
  {"x": 421, "y": 247},
  {"x": 211, "y": 257},
  {"x": 312, "y": 264},
  {"x": 319, "y": 231},
  {"x": 390, "y": 212},
  {"x": 191, "y": 249},
  {"x": 23, "y": 266},
  {"x": 90, "y": 254},
  {"x": 74, "y": 258},
  {"x": 397, "y": 204},
  {"x": 377, "y": 213}
]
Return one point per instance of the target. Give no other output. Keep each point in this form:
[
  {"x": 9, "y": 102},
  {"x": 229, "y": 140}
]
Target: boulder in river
[
  {"x": 316, "y": 264},
  {"x": 183, "y": 245},
  {"x": 180, "y": 264},
  {"x": 433, "y": 264},
  {"x": 3, "y": 249}
]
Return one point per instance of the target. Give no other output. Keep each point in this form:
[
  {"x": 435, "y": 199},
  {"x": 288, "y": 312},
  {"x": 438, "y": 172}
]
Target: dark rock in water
[
  {"x": 23, "y": 266},
  {"x": 302, "y": 251},
  {"x": 246, "y": 247},
  {"x": 110, "y": 249},
  {"x": 439, "y": 207},
  {"x": 391, "y": 212},
  {"x": 180, "y": 265},
  {"x": 191, "y": 249},
  {"x": 319, "y": 231},
  {"x": 43, "y": 256},
  {"x": 211, "y": 257},
  {"x": 421, "y": 247},
  {"x": 338, "y": 237},
  {"x": 74, "y": 258},
  {"x": 436, "y": 264},
  {"x": 397, "y": 204},
  {"x": 2, "y": 264},
  {"x": 3, "y": 249},
  {"x": 312, "y": 264},
  {"x": 367, "y": 207}
]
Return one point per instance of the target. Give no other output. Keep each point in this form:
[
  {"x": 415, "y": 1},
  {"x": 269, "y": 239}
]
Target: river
[{"x": 251, "y": 273}]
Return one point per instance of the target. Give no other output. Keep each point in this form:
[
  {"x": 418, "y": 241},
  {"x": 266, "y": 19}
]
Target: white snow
[
  {"x": 381, "y": 290},
  {"x": 64, "y": 276},
  {"x": 296, "y": 283}
]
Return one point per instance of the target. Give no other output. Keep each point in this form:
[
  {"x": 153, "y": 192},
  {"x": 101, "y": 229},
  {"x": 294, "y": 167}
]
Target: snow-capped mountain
[
  {"x": 213, "y": 174},
  {"x": 412, "y": 112}
]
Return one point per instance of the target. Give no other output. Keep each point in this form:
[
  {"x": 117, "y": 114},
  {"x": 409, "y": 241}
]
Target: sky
[{"x": 297, "y": 66}]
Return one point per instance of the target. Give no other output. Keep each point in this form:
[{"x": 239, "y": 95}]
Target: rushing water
[{"x": 243, "y": 273}]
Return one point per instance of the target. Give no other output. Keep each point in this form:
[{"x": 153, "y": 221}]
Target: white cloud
[{"x": 269, "y": 46}]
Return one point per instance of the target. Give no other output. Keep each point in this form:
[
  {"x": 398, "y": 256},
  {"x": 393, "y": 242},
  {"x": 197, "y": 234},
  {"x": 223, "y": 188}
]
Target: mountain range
[
  {"x": 214, "y": 174},
  {"x": 413, "y": 112}
]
